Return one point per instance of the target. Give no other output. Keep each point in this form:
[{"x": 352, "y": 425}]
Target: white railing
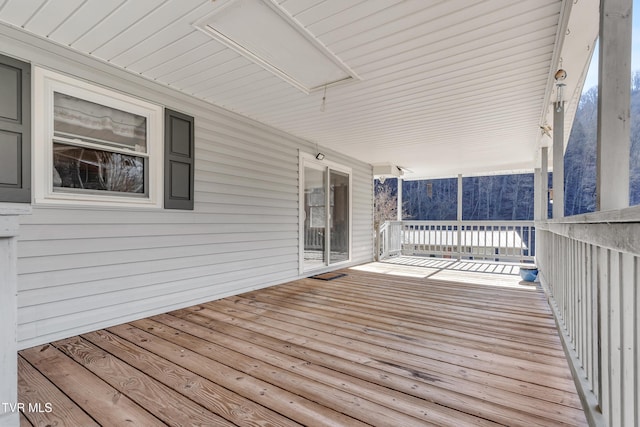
[
  {"x": 389, "y": 239},
  {"x": 484, "y": 240},
  {"x": 590, "y": 270},
  {"x": 314, "y": 238}
]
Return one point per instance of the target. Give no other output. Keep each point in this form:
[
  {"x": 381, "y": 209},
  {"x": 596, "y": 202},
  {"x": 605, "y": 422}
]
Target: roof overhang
[
  {"x": 575, "y": 45},
  {"x": 443, "y": 87}
]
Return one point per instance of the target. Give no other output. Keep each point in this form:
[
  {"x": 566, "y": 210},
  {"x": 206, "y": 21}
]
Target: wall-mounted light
[{"x": 320, "y": 156}]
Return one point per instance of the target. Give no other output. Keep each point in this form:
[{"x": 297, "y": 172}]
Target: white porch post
[
  {"x": 459, "y": 197},
  {"x": 459, "y": 216},
  {"x": 558, "y": 159},
  {"x": 537, "y": 194},
  {"x": 614, "y": 87},
  {"x": 9, "y": 224},
  {"x": 541, "y": 197},
  {"x": 544, "y": 183},
  {"x": 399, "y": 215},
  {"x": 541, "y": 186}
]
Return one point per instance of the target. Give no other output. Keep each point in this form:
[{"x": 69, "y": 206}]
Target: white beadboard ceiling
[{"x": 446, "y": 86}]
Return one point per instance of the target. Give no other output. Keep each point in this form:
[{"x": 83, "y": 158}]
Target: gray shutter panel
[
  {"x": 178, "y": 160},
  {"x": 15, "y": 130}
]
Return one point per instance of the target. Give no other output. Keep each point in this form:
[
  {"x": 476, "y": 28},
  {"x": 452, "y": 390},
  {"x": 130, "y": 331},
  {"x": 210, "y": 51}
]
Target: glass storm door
[
  {"x": 325, "y": 215},
  {"x": 314, "y": 217},
  {"x": 338, "y": 216}
]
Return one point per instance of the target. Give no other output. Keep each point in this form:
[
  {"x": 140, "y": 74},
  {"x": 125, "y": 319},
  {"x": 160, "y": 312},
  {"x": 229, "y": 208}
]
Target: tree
[
  {"x": 580, "y": 157},
  {"x": 385, "y": 204}
]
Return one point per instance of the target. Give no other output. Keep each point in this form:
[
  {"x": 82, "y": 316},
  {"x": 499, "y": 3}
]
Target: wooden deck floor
[{"x": 380, "y": 346}]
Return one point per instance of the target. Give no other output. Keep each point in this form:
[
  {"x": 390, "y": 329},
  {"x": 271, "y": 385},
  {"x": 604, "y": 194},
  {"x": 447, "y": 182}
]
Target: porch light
[
  {"x": 559, "y": 77},
  {"x": 320, "y": 156},
  {"x": 263, "y": 32}
]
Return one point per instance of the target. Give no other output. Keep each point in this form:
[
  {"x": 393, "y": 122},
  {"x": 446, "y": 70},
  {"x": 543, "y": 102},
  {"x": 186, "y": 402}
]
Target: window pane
[
  {"x": 315, "y": 218},
  {"x": 90, "y": 169},
  {"x": 339, "y": 216},
  {"x": 78, "y": 118}
]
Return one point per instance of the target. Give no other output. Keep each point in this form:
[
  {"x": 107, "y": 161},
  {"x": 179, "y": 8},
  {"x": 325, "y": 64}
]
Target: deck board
[
  {"x": 104, "y": 403},
  {"x": 24, "y": 421},
  {"x": 368, "y": 348},
  {"x": 229, "y": 405},
  {"x": 162, "y": 401},
  {"x": 34, "y": 388}
]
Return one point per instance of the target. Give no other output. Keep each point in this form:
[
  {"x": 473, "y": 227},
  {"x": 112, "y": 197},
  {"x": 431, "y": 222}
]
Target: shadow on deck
[{"x": 386, "y": 345}]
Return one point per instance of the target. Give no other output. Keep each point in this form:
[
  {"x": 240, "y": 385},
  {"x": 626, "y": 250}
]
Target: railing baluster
[{"x": 592, "y": 281}]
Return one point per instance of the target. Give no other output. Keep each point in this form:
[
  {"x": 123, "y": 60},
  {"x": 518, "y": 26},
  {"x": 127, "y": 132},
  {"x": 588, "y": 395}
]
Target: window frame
[{"x": 45, "y": 83}]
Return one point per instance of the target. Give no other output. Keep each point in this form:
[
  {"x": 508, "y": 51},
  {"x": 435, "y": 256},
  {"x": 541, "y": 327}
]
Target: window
[{"x": 95, "y": 146}]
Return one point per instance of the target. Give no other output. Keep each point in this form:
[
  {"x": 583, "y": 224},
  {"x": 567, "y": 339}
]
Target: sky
[{"x": 592, "y": 74}]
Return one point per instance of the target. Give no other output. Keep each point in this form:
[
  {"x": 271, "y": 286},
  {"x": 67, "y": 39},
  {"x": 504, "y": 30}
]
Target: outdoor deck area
[{"x": 385, "y": 344}]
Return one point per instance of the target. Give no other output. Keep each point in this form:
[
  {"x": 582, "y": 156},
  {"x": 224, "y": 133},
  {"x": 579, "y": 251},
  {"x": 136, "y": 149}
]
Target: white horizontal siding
[
  {"x": 84, "y": 268},
  {"x": 362, "y": 217}
]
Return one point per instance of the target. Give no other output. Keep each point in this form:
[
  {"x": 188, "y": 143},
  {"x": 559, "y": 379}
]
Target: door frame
[{"x": 306, "y": 159}]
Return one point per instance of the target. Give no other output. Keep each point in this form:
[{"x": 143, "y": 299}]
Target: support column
[
  {"x": 399, "y": 215},
  {"x": 9, "y": 223},
  {"x": 558, "y": 159},
  {"x": 459, "y": 197},
  {"x": 537, "y": 194},
  {"x": 614, "y": 87},
  {"x": 459, "y": 216},
  {"x": 544, "y": 183},
  {"x": 541, "y": 196}
]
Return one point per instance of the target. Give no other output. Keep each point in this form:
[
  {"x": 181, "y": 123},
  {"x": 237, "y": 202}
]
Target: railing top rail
[
  {"x": 630, "y": 214},
  {"x": 466, "y": 222}
]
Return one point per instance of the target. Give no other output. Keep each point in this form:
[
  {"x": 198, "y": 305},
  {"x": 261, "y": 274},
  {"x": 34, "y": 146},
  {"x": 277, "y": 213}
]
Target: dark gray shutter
[
  {"x": 178, "y": 160},
  {"x": 15, "y": 130}
]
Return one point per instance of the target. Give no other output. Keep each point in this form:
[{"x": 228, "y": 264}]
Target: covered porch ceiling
[{"x": 436, "y": 87}]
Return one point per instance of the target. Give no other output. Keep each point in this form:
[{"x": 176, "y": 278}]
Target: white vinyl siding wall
[{"x": 84, "y": 268}]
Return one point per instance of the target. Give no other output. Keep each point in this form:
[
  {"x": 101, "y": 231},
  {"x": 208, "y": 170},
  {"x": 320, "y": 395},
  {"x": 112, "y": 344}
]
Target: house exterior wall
[{"x": 81, "y": 268}]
